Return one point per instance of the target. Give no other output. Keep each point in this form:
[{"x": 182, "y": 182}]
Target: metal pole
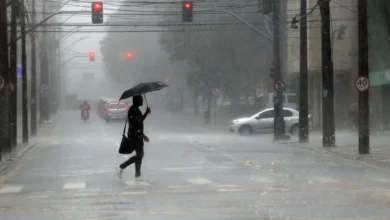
[
  {"x": 33, "y": 91},
  {"x": 328, "y": 127},
  {"x": 303, "y": 79},
  {"x": 13, "y": 76},
  {"x": 279, "y": 126},
  {"x": 44, "y": 102},
  {"x": 5, "y": 142},
  {"x": 364, "y": 109},
  {"x": 24, "y": 74}
]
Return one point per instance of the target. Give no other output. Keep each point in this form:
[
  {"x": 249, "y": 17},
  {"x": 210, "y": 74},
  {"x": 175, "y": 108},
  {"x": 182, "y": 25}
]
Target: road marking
[
  {"x": 179, "y": 187},
  {"x": 85, "y": 194},
  {"x": 37, "y": 197},
  {"x": 103, "y": 132},
  {"x": 137, "y": 183},
  {"x": 80, "y": 141},
  {"x": 75, "y": 185},
  {"x": 134, "y": 193},
  {"x": 200, "y": 181},
  {"x": 229, "y": 190},
  {"x": 10, "y": 189}
]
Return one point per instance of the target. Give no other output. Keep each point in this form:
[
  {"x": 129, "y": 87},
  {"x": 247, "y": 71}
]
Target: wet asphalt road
[{"x": 188, "y": 173}]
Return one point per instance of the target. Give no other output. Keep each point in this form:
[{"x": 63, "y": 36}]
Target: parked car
[
  {"x": 263, "y": 122},
  {"x": 116, "y": 111}
]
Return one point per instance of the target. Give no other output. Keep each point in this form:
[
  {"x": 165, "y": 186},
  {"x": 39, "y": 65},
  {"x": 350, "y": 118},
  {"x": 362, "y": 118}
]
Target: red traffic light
[
  {"x": 91, "y": 54},
  {"x": 129, "y": 55},
  {"x": 187, "y": 5},
  {"x": 97, "y": 6}
]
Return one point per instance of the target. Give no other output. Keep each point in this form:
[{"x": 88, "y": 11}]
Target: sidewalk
[
  {"x": 21, "y": 147},
  {"x": 347, "y": 146}
]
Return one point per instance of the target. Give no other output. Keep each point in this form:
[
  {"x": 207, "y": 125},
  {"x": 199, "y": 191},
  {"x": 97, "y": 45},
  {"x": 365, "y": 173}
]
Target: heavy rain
[{"x": 194, "y": 109}]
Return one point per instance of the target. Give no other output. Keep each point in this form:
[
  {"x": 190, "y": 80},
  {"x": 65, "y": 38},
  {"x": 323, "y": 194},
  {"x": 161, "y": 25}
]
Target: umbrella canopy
[{"x": 143, "y": 88}]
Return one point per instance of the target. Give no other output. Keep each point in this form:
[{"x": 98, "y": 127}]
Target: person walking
[{"x": 136, "y": 136}]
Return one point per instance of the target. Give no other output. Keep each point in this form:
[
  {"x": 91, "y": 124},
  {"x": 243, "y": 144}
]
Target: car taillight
[{"x": 86, "y": 111}]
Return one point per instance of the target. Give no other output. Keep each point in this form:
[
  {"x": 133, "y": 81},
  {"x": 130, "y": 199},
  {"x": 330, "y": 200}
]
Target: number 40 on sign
[{"x": 362, "y": 83}]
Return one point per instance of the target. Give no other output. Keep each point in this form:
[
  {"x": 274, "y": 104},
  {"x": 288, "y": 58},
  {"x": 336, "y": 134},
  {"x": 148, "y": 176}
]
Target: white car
[{"x": 263, "y": 122}]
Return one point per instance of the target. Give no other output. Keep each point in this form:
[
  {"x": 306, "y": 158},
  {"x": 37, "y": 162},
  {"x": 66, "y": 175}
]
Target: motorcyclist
[{"x": 84, "y": 106}]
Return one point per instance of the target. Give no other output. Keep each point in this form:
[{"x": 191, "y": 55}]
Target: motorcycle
[{"x": 85, "y": 115}]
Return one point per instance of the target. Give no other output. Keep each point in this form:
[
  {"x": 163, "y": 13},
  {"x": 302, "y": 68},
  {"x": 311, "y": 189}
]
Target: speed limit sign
[
  {"x": 362, "y": 83},
  {"x": 280, "y": 85},
  {"x": 2, "y": 83}
]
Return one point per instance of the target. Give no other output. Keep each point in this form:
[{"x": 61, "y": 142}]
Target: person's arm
[{"x": 142, "y": 118}]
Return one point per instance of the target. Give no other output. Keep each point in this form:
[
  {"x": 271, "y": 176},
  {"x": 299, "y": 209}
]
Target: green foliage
[{"x": 232, "y": 58}]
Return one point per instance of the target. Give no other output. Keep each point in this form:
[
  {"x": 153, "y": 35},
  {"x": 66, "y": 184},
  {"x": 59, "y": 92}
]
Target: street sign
[
  {"x": 280, "y": 85},
  {"x": 2, "y": 83},
  {"x": 362, "y": 83}
]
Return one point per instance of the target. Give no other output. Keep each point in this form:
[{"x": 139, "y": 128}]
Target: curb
[
  {"x": 15, "y": 155},
  {"x": 361, "y": 159}
]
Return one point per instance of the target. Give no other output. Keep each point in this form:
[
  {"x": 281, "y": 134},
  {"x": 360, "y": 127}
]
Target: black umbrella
[{"x": 142, "y": 89}]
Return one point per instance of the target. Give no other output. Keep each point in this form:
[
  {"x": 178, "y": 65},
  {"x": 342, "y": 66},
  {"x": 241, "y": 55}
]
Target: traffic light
[
  {"x": 272, "y": 70},
  {"x": 166, "y": 80},
  {"x": 187, "y": 11},
  {"x": 97, "y": 12},
  {"x": 129, "y": 55},
  {"x": 91, "y": 56}
]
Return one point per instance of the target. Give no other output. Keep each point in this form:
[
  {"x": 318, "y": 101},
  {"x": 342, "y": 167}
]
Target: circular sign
[
  {"x": 216, "y": 92},
  {"x": 280, "y": 85},
  {"x": 362, "y": 83},
  {"x": 2, "y": 82}
]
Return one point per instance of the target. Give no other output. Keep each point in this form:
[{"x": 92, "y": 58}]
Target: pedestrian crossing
[{"x": 130, "y": 187}]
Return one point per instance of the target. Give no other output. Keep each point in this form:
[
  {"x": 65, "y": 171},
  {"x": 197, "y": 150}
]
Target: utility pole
[
  {"x": 5, "y": 141},
  {"x": 328, "y": 127},
  {"x": 44, "y": 101},
  {"x": 13, "y": 75},
  {"x": 24, "y": 73},
  {"x": 279, "y": 124},
  {"x": 33, "y": 91},
  {"x": 303, "y": 79},
  {"x": 364, "y": 113}
]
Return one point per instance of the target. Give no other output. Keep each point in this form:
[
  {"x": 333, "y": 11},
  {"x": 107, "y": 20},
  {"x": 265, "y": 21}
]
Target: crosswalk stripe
[
  {"x": 11, "y": 189},
  {"x": 137, "y": 183},
  {"x": 75, "y": 185},
  {"x": 199, "y": 181}
]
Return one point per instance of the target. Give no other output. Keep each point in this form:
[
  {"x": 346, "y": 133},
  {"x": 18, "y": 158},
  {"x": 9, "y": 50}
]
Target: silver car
[
  {"x": 263, "y": 122},
  {"x": 115, "y": 110}
]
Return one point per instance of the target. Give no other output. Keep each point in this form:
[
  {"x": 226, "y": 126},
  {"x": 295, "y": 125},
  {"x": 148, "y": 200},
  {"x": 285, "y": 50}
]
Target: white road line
[
  {"x": 137, "y": 183},
  {"x": 134, "y": 193},
  {"x": 11, "y": 189},
  {"x": 179, "y": 187},
  {"x": 85, "y": 194},
  {"x": 37, "y": 197},
  {"x": 75, "y": 185},
  {"x": 199, "y": 181},
  {"x": 229, "y": 190},
  {"x": 103, "y": 132}
]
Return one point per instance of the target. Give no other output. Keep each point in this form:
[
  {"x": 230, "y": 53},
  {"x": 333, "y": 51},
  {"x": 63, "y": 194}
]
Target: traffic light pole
[
  {"x": 44, "y": 99},
  {"x": 33, "y": 91},
  {"x": 303, "y": 79},
  {"x": 13, "y": 73},
  {"x": 24, "y": 74},
  {"x": 5, "y": 141},
  {"x": 364, "y": 112},
  {"x": 279, "y": 123},
  {"x": 328, "y": 127}
]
